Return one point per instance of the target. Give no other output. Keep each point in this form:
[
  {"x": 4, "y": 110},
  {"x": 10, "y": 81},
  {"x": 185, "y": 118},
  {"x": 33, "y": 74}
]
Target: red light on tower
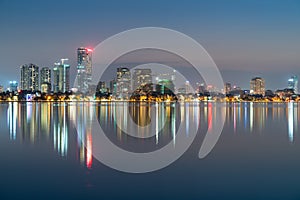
[{"x": 89, "y": 50}]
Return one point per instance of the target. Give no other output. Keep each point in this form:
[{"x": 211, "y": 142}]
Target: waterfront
[{"x": 43, "y": 153}]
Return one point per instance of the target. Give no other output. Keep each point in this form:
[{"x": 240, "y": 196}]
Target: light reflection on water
[{"x": 51, "y": 122}]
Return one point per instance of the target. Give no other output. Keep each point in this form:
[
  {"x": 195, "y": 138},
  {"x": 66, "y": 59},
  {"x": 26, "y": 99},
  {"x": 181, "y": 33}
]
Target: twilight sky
[{"x": 245, "y": 38}]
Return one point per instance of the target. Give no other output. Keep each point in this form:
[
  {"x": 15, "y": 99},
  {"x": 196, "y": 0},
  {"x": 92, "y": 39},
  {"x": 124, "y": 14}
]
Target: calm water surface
[{"x": 46, "y": 151}]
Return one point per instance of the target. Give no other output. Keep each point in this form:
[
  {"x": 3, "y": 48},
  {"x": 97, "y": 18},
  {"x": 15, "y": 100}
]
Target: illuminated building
[
  {"x": 45, "y": 81},
  {"x": 61, "y": 77},
  {"x": 227, "y": 88},
  {"x": 13, "y": 86},
  {"x": 101, "y": 87},
  {"x": 46, "y": 88},
  {"x": 141, "y": 77},
  {"x": 293, "y": 84},
  {"x": 1, "y": 89},
  {"x": 113, "y": 87},
  {"x": 257, "y": 86},
  {"x": 201, "y": 88},
  {"x": 187, "y": 87},
  {"x": 165, "y": 86},
  {"x": 29, "y": 77},
  {"x": 84, "y": 69},
  {"x": 123, "y": 83}
]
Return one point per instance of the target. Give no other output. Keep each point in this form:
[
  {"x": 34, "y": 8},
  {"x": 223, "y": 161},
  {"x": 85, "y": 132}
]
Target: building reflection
[
  {"x": 33, "y": 123},
  {"x": 81, "y": 115},
  {"x": 12, "y": 113},
  {"x": 291, "y": 122},
  {"x": 46, "y": 113},
  {"x": 60, "y": 128}
]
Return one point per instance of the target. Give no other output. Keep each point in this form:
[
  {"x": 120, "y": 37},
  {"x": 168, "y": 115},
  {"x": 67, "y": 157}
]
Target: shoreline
[{"x": 128, "y": 101}]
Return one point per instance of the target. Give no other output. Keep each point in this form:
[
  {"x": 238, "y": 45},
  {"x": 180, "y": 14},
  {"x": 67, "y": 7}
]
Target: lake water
[{"x": 46, "y": 151}]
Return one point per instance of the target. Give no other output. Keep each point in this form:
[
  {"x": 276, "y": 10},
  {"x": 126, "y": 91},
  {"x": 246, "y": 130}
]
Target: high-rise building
[
  {"x": 24, "y": 77},
  {"x": 188, "y": 88},
  {"x": 123, "y": 83},
  {"x": 165, "y": 86},
  {"x": 13, "y": 86},
  {"x": 113, "y": 87},
  {"x": 201, "y": 88},
  {"x": 61, "y": 77},
  {"x": 227, "y": 88},
  {"x": 29, "y": 77},
  {"x": 84, "y": 69},
  {"x": 101, "y": 87},
  {"x": 45, "y": 80},
  {"x": 45, "y": 75},
  {"x": 293, "y": 84},
  {"x": 257, "y": 86},
  {"x": 141, "y": 77}
]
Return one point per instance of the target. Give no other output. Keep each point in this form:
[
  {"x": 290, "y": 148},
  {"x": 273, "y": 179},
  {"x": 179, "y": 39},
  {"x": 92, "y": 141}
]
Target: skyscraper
[
  {"x": 123, "y": 83},
  {"x": 293, "y": 84},
  {"x": 84, "y": 69},
  {"x": 61, "y": 77},
  {"x": 165, "y": 86},
  {"x": 45, "y": 81},
  {"x": 101, "y": 87},
  {"x": 227, "y": 88},
  {"x": 257, "y": 86},
  {"x": 141, "y": 77},
  {"x": 113, "y": 87},
  {"x": 29, "y": 77}
]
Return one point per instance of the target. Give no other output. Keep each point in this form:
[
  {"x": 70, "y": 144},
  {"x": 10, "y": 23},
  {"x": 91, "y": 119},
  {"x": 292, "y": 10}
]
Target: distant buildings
[
  {"x": 123, "y": 83},
  {"x": 61, "y": 77},
  {"x": 201, "y": 88},
  {"x": 101, "y": 87},
  {"x": 165, "y": 86},
  {"x": 141, "y": 77},
  {"x": 1, "y": 89},
  {"x": 45, "y": 80},
  {"x": 293, "y": 84},
  {"x": 227, "y": 88},
  {"x": 185, "y": 89},
  {"x": 13, "y": 86},
  {"x": 257, "y": 86},
  {"x": 84, "y": 69},
  {"x": 29, "y": 77},
  {"x": 113, "y": 87},
  {"x": 139, "y": 86}
]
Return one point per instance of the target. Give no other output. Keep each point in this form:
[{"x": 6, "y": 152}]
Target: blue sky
[{"x": 245, "y": 38}]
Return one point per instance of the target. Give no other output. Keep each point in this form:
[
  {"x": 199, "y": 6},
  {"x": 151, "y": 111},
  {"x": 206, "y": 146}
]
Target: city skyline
[
  {"x": 246, "y": 39},
  {"x": 33, "y": 79}
]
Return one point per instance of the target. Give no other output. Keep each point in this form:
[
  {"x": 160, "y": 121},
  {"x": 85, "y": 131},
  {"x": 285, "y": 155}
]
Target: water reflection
[
  {"x": 53, "y": 123},
  {"x": 262, "y": 118},
  {"x": 12, "y": 112},
  {"x": 291, "y": 122},
  {"x": 60, "y": 129}
]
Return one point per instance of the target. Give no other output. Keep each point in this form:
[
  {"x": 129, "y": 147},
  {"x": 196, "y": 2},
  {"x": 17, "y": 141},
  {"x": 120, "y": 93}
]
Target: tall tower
[
  {"x": 84, "y": 69},
  {"x": 141, "y": 77},
  {"x": 61, "y": 77},
  {"x": 227, "y": 88},
  {"x": 257, "y": 86},
  {"x": 29, "y": 77},
  {"x": 45, "y": 80},
  {"x": 123, "y": 83},
  {"x": 293, "y": 84},
  {"x": 24, "y": 81}
]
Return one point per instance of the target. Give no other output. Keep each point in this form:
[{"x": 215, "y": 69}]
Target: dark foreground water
[{"x": 46, "y": 152}]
